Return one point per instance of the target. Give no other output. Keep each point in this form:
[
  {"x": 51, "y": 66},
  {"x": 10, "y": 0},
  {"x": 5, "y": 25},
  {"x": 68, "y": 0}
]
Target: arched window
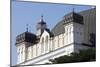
[
  {"x": 46, "y": 39},
  {"x": 42, "y": 45},
  {"x": 18, "y": 51},
  {"x": 66, "y": 30},
  {"x": 70, "y": 29},
  {"x": 46, "y": 43},
  {"x": 21, "y": 54},
  {"x": 42, "y": 42}
]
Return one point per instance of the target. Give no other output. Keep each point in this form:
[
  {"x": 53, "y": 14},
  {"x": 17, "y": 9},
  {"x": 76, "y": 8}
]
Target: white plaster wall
[
  {"x": 38, "y": 49},
  {"x": 45, "y": 45},
  {"x": 21, "y": 52},
  {"x": 30, "y": 52},
  {"x": 65, "y": 39},
  {"x": 52, "y": 43},
  {"x": 78, "y": 33},
  {"x": 34, "y": 51},
  {"x": 69, "y": 33},
  {"x": 18, "y": 54},
  {"x": 61, "y": 42},
  {"x": 56, "y": 44},
  {"x": 56, "y": 53}
]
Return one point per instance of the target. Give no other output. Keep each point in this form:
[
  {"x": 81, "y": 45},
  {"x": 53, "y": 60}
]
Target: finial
[
  {"x": 42, "y": 17},
  {"x": 30, "y": 29},
  {"x": 26, "y": 27}
]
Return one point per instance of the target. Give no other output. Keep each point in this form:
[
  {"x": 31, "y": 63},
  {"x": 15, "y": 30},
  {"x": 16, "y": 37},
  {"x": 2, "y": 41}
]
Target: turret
[{"x": 41, "y": 26}]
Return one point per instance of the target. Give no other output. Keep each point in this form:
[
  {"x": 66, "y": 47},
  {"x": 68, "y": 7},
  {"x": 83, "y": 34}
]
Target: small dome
[
  {"x": 26, "y": 37},
  {"x": 73, "y": 16},
  {"x": 41, "y": 20},
  {"x": 41, "y": 24}
]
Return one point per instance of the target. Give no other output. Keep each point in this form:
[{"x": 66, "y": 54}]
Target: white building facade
[{"x": 45, "y": 45}]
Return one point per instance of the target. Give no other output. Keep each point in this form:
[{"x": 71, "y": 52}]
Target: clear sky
[{"x": 30, "y": 13}]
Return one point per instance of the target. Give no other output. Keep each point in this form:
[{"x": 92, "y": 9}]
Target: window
[
  {"x": 42, "y": 42},
  {"x": 69, "y": 29},
  {"x": 66, "y": 30},
  {"x": 42, "y": 45},
  {"x": 46, "y": 45},
  {"x": 18, "y": 51},
  {"x": 47, "y": 39},
  {"x": 22, "y": 51}
]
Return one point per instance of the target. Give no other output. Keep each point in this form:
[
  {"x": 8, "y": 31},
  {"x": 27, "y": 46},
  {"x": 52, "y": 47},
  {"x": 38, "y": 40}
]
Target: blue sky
[{"x": 30, "y": 13}]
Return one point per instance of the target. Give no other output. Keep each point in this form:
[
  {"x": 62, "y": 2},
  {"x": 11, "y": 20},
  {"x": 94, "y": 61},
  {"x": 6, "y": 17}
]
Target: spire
[
  {"x": 73, "y": 10},
  {"x": 42, "y": 16},
  {"x": 26, "y": 27},
  {"x": 41, "y": 20}
]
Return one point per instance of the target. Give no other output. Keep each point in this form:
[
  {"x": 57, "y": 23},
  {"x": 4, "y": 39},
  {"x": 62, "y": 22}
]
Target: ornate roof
[
  {"x": 73, "y": 17},
  {"x": 26, "y": 37},
  {"x": 89, "y": 16},
  {"x": 41, "y": 20},
  {"x": 41, "y": 24}
]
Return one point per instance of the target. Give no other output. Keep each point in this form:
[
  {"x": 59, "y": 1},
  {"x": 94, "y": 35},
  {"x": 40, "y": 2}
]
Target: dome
[
  {"x": 41, "y": 24},
  {"x": 41, "y": 21},
  {"x": 26, "y": 37}
]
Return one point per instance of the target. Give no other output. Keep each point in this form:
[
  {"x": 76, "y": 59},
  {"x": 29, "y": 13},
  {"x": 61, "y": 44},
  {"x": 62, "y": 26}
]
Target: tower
[
  {"x": 41, "y": 25},
  {"x": 23, "y": 41},
  {"x": 73, "y": 23}
]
